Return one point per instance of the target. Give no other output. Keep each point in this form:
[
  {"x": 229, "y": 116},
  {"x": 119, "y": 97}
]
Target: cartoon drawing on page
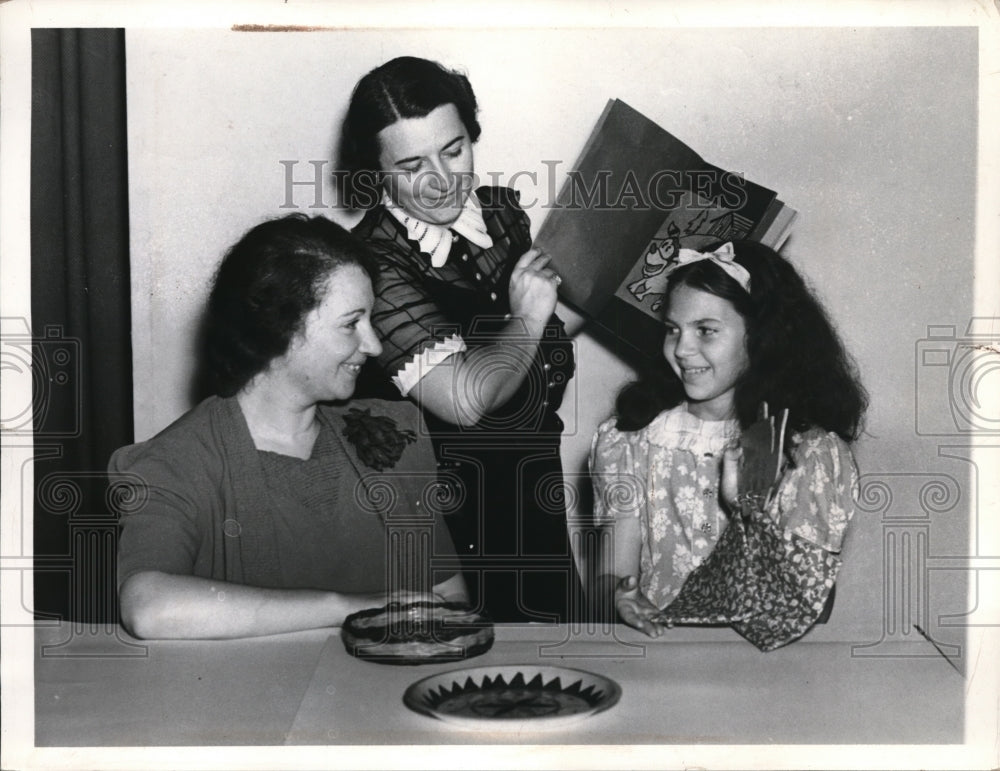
[{"x": 679, "y": 230}]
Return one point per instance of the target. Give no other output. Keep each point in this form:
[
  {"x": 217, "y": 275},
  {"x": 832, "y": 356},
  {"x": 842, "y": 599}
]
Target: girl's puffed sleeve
[
  {"x": 815, "y": 500},
  {"x": 617, "y": 489}
]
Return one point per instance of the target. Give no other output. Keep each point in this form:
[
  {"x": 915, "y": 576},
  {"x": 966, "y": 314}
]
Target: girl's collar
[
  {"x": 686, "y": 407},
  {"x": 677, "y": 428},
  {"x": 435, "y": 240}
]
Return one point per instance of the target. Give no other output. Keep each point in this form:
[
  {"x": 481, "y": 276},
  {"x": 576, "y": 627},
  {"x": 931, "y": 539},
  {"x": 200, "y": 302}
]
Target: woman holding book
[
  {"x": 465, "y": 310},
  {"x": 717, "y": 517}
]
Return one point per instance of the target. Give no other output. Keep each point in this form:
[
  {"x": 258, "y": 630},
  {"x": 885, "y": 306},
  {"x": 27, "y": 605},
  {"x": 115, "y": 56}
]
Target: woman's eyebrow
[{"x": 448, "y": 146}]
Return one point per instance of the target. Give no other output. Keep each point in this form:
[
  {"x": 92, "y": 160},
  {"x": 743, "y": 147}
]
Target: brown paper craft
[{"x": 762, "y": 461}]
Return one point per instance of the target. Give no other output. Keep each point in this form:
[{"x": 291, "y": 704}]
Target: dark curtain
[{"x": 80, "y": 314}]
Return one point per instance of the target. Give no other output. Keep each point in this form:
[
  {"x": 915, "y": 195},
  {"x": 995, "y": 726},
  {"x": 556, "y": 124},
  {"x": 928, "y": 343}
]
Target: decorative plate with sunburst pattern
[{"x": 512, "y": 697}]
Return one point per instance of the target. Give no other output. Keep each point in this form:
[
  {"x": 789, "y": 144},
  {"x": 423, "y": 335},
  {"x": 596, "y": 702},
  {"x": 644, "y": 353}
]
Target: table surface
[{"x": 104, "y": 688}]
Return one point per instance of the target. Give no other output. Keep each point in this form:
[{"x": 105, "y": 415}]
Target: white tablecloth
[{"x": 691, "y": 686}]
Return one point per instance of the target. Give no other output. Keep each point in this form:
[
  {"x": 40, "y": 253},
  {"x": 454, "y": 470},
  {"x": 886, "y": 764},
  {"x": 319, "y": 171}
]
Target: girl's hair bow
[{"x": 723, "y": 257}]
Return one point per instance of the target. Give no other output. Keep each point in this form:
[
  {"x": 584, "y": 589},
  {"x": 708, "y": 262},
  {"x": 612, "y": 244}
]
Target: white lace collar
[
  {"x": 436, "y": 240},
  {"x": 679, "y": 429}
]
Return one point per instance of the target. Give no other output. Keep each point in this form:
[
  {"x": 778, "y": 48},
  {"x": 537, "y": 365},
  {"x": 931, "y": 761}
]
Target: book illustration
[
  {"x": 659, "y": 256},
  {"x": 694, "y": 224}
]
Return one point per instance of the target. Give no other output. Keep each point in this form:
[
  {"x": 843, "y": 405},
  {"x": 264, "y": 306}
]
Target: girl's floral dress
[{"x": 768, "y": 575}]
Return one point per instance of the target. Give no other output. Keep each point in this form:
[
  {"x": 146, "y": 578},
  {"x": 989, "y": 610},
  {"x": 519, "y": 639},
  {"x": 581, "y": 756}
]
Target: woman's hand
[
  {"x": 533, "y": 288},
  {"x": 406, "y": 597},
  {"x": 635, "y": 610}
]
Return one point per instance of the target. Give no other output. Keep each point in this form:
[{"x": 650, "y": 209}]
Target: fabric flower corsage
[{"x": 376, "y": 439}]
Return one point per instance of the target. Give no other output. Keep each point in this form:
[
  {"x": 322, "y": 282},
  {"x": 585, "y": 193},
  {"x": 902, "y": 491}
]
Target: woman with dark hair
[
  {"x": 465, "y": 310},
  {"x": 715, "y": 516},
  {"x": 264, "y": 509}
]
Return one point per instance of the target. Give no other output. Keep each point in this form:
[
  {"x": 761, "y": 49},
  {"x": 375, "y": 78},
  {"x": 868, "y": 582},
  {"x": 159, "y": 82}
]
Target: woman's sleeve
[
  {"x": 770, "y": 575},
  {"x": 415, "y": 333},
  {"x": 158, "y": 527}
]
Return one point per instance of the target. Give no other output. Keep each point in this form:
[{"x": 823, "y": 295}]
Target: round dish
[
  {"x": 516, "y": 697},
  {"x": 417, "y": 633}
]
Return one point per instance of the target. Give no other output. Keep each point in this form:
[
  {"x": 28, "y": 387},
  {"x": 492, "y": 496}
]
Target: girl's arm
[
  {"x": 617, "y": 582},
  {"x": 618, "y": 577}
]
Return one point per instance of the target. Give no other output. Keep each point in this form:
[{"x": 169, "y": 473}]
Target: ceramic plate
[{"x": 512, "y": 697}]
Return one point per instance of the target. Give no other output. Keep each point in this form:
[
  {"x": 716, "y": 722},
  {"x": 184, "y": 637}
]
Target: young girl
[{"x": 697, "y": 535}]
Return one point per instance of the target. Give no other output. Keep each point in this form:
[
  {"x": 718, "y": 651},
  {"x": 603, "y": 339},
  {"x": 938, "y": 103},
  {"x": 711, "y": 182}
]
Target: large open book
[{"x": 636, "y": 195}]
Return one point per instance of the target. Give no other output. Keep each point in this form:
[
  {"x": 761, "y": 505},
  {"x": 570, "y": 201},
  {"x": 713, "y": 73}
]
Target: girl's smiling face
[{"x": 706, "y": 346}]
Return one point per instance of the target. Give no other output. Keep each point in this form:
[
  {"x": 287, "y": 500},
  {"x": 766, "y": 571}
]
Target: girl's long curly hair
[{"x": 797, "y": 360}]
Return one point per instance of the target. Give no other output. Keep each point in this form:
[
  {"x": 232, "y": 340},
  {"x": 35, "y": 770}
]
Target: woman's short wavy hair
[
  {"x": 405, "y": 87},
  {"x": 264, "y": 288}
]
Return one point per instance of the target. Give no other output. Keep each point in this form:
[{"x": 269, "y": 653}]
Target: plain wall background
[{"x": 869, "y": 133}]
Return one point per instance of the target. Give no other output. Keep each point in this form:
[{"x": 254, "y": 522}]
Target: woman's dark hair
[
  {"x": 265, "y": 286},
  {"x": 405, "y": 87},
  {"x": 797, "y": 360}
]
